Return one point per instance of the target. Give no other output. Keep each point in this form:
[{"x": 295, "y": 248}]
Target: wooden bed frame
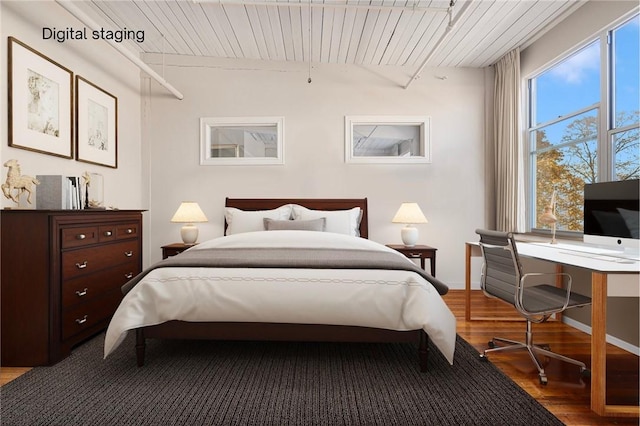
[{"x": 283, "y": 332}]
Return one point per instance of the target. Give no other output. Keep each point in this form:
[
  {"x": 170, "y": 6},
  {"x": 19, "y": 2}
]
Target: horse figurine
[{"x": 16, "y": 181}]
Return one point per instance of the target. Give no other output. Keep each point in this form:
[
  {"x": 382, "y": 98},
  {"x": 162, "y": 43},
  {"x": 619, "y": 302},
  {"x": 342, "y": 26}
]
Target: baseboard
[{"x": 610, "y": 339}]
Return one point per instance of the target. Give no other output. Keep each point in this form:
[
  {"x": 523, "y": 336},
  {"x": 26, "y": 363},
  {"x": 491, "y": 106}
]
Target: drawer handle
[
  {"x": 81, "y": 265},
  {"x": 128, "y": 253},
  {"x": 129, "y": 231},
  {"x": 129, "y": 275},
  {"x": 108, "y": 233},
  {"x": 82, "y": 293},
  {"x": 82, "y": 321},
  {"x": 81, "y": 236}
]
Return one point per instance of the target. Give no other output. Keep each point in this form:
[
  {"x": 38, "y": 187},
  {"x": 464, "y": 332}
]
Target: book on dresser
[{"x": 61, "y": 273}]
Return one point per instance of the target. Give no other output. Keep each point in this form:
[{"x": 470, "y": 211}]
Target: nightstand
[
  {"x": 418, "y": 252},
  {"x": 174, "y": 248}
]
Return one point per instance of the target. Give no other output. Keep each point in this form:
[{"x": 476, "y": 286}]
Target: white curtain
[{"x": 509, "y": 164}]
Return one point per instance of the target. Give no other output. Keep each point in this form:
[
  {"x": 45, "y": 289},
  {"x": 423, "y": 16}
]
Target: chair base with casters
[
  {"x": 532, "y": 349},
  {"x": 502, "y": 278}
]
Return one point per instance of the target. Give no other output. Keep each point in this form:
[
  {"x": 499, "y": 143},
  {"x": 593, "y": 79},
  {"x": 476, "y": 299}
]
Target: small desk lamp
[
  {"x": 409, "y": 213},
  {"x": 549, "y": 217},
  {"x": 189, "y": 212}
]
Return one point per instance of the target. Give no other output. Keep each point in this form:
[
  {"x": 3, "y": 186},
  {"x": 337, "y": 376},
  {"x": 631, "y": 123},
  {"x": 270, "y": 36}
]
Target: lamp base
[
  {"x": 409, "y": 235},
  {"x": 189, "y": 233}
]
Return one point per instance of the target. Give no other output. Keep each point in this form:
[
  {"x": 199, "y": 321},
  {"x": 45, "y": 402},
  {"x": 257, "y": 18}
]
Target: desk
[{"x": 608, "y": 278}]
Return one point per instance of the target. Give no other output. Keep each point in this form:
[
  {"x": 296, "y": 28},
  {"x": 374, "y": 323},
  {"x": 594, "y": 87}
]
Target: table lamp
[
  {"x": 409, "y": 214},
  {"x": 189, "y": 213}
]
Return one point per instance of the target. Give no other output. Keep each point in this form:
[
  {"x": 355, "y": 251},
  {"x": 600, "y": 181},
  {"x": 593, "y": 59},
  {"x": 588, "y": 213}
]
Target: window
[
  {"x": 387, "y": 139},
  {"x": 576, "y": 134},
  {"x": 625, "y": 46},
  {"x": 241, "y": 140}
]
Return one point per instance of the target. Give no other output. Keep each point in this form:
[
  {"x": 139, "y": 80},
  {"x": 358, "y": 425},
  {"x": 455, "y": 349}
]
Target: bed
[{"x": 325, "y": 302}]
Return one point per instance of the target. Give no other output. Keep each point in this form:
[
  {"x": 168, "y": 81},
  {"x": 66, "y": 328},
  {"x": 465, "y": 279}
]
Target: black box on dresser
[{"x": 61, "y": 273}]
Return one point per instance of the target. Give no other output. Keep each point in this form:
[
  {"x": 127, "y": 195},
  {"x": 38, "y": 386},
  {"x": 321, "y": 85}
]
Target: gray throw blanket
[{"x": 299, "y": 258}]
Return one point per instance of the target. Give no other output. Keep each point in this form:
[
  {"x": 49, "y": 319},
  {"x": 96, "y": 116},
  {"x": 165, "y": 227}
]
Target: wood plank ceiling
[{"x": 362, "y": 32}]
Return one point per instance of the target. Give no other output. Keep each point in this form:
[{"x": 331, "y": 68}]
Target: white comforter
[{"x": 397, "y": 300}]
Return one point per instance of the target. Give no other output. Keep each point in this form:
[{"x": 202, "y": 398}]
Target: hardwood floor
[{"x": 566, "y": 395}]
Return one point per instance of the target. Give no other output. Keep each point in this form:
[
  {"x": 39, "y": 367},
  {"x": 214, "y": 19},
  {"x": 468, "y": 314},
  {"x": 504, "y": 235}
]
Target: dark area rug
[{"x": 257, "y": 383}]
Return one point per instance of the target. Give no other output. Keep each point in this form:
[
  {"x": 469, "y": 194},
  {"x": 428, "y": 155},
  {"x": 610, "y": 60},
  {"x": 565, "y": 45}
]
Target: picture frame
[
  {"x": 388, "y": 139},
  {"x": 40, "y": 93},
  {"x": 241, "y": 141},
  {"x": 96, "y": 124}
]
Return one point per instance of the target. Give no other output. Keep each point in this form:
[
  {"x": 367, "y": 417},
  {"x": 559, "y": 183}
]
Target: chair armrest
[{"x": 566, "y": 287}]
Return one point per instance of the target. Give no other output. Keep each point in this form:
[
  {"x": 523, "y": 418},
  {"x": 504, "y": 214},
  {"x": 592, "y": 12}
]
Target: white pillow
[
  {"x": 338, "y": 221},
  {"x": 239, "y": 221}
]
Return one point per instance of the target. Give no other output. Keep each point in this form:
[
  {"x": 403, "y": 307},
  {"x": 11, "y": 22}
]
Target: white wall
[
  {"x": 98, "y": 63},
  {"x": 450, "y": 191}
]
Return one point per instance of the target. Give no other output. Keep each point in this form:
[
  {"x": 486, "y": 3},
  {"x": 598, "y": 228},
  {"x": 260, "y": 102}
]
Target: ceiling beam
[
  {"x": 450, "y": 26},
  {"x": 85, "y": 19},
  {"x": 328, "y": 5}
]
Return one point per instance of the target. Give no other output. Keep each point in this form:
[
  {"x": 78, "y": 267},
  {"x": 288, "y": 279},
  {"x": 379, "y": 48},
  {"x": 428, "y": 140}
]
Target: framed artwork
[
  {"x": 388, "y": 139},
  {"x": 241, "y": 140},
  {"x": 40, "y": 102},
  {"x": 96, "y": 124}
]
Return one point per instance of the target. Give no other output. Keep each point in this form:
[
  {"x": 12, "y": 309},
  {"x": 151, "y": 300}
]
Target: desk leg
[
  {"x": 598, "y": 342},
  {"x": 599, "y": 352},
  {"x": 467, "y": 282}
]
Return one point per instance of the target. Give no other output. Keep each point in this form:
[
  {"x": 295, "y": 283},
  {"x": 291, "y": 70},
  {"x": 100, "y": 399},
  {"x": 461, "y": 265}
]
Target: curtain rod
[{"x": 85, "y": 19}]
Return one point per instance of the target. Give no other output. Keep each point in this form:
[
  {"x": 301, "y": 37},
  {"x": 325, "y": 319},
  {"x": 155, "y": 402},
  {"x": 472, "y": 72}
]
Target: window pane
[
  {"x": 626, "y": 53},
  {"x": 574, "y": 129},
  {"x": 626, "y": 151},
  {"x": 565, "y": 171},
  {"x": 569, "y": 86}
]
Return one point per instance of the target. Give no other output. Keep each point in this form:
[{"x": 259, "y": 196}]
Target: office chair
[{"x": 502, "y": 278}]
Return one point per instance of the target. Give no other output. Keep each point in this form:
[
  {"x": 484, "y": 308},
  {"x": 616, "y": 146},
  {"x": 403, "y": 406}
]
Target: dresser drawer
[
  {"x": 92, "y": 259},
  {"x": 107, "y": 233},
  {"x": 86, "y": 315},
  {"x": 78, "y": 237},
  {"x": 88, "y": 287},
  {"x": 127, "y": 230}
]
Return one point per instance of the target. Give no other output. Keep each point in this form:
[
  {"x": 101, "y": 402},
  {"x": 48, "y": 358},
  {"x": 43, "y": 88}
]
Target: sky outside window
[
  {"x": 569, "y": 86},
  {"x": 626, "y": 70}
]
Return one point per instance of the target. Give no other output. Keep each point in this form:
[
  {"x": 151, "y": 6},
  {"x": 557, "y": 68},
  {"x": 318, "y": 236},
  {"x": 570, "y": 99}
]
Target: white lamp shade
[
  {"x": 189, "y": 212},
  {"x": 409, "y": 213}
]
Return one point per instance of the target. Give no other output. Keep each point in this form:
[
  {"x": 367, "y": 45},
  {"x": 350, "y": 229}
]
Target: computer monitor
[{"x": 611, "y": 213}]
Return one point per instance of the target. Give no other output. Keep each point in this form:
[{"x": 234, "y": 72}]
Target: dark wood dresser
[{"x": 61, "y": 274}]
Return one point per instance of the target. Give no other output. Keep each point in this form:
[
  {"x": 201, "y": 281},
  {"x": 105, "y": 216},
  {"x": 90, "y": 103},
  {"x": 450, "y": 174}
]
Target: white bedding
[{"x": 397, "y": 300}]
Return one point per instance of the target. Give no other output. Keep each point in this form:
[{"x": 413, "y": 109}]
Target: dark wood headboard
[{"x": 310, "y": 203}]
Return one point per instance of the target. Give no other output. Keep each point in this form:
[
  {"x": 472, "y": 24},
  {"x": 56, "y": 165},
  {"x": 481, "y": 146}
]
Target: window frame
[
  {"x": 209, "y": 124},
  {"x": 606, "y": 130}
]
